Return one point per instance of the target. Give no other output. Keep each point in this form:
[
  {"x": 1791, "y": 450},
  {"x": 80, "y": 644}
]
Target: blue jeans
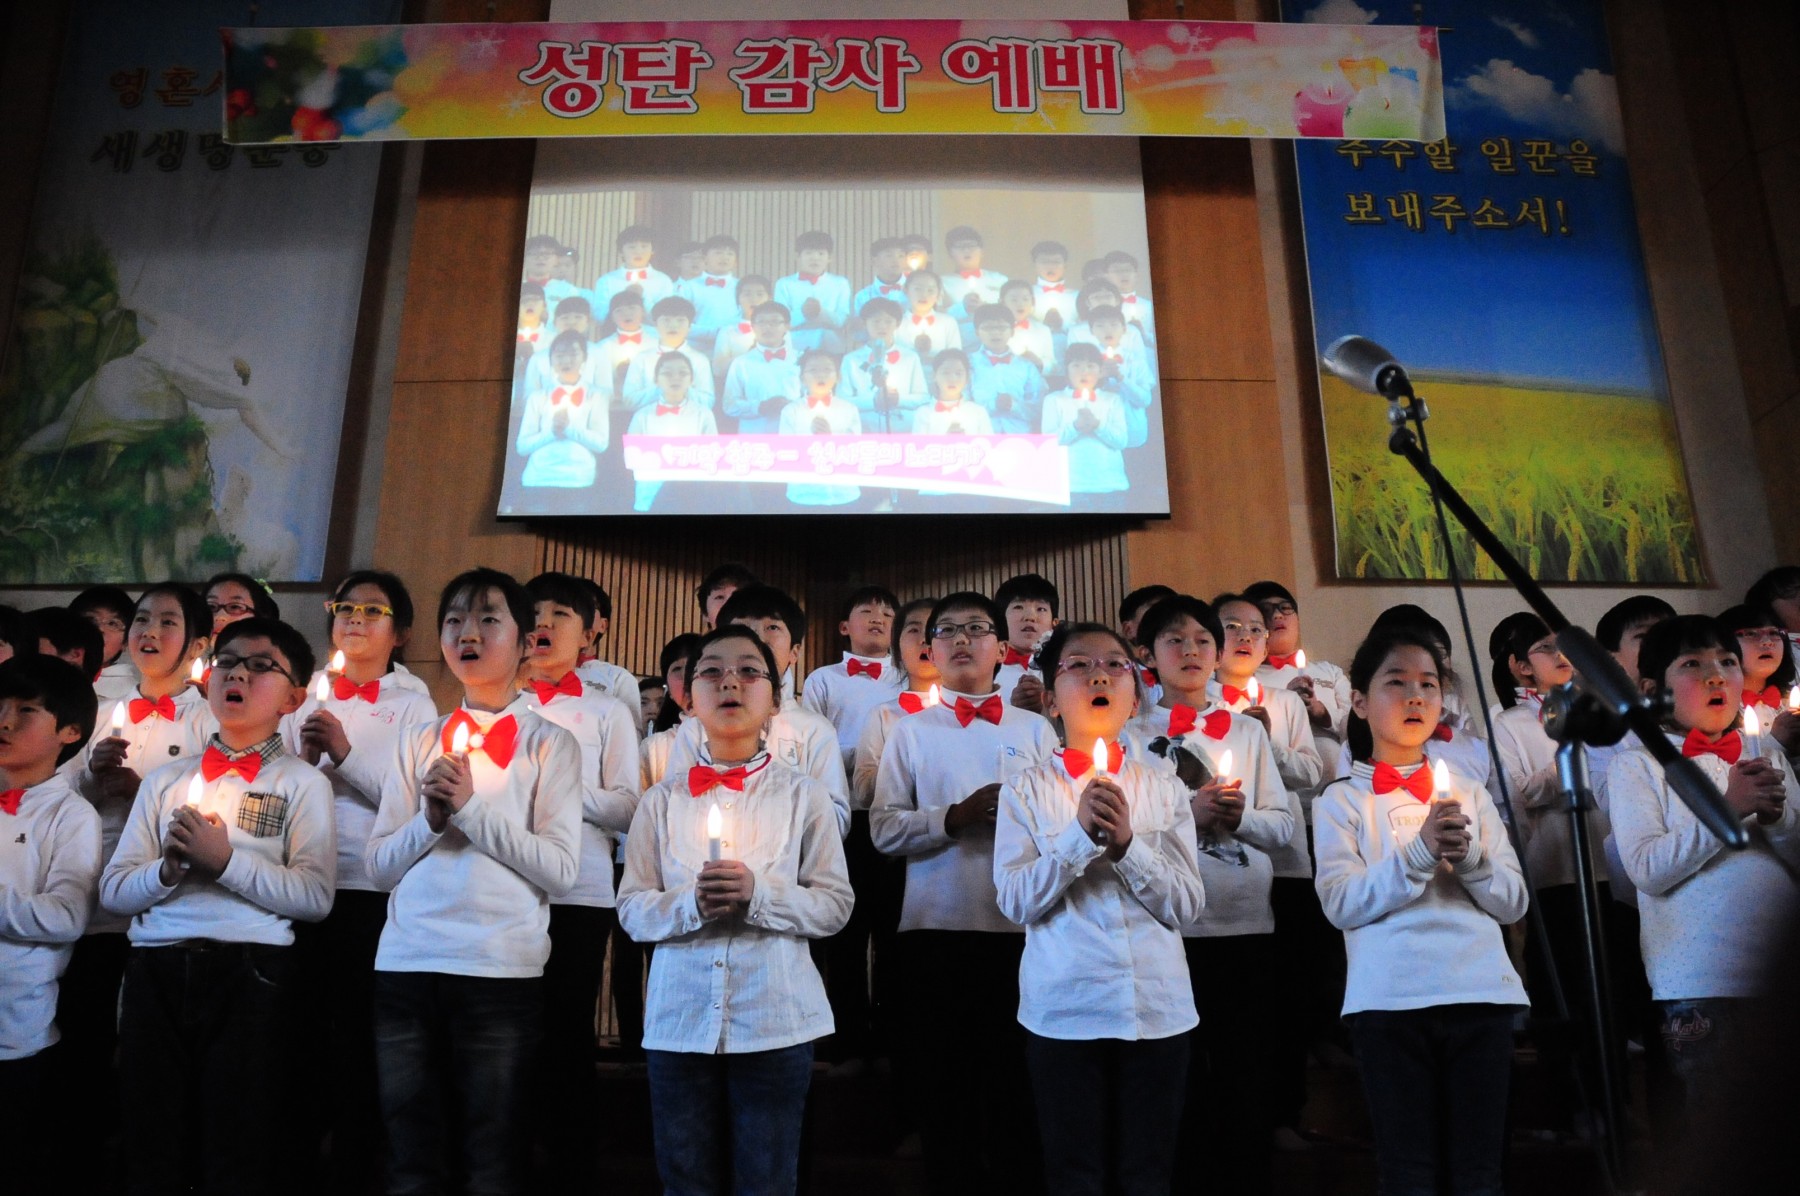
[
  {"x": 729, "y": 1123},
  {"x": 455, "y": 1050},
  {"x": 1436, "y": 1080}
]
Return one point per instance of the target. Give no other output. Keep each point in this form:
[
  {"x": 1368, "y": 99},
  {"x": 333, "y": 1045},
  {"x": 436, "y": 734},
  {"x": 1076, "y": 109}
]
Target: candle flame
[
  {"x": 337, "y": 661},
  {"x": 1300, "y": 659},
  {"x": 322, "y": 689},
  {"x": 715, "y": 822},
  {"x": 1794, "y": 699},
  {"x": 1100, "y": 758},
  {"x": 118, "y": 717},
  {"x": 197, "y": 671},
  {"x": 1255, "y": 693},
  {"x": 1225, "y": 765},
  {"x": 459, "y": 739},
  {"x": 1440, "y": 779},
  {"x": 1752, "y": 724},
  {"x": 196, "y": 790},
  {"x": 932, "y": 696}
]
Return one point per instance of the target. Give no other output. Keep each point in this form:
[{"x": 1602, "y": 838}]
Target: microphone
[{"x": 1367, "y": 366}]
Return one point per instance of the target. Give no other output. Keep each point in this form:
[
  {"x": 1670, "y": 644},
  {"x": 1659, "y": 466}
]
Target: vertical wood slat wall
[
  {"x": 588, "y": 222},
  {"x": 651, "y": 571},
  {"x": 766, "y": 223}
]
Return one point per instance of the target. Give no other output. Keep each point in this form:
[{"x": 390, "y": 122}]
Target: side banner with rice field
[{"x": 1502, "y": 267}]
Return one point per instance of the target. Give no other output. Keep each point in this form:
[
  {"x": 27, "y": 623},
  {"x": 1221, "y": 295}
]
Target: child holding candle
[
  {"x": 672, "y": 317},
  {"x": 923, "y": 327},
  {"x": 911, "y": 661},
  {"x": 222, "y": 854},
  {"x": 1241, "y": 814},
  {"x": 1090, "y": 423},
  {"x": 974, "y": 285},
  {"x": 1052, "y": 293},
  {"x": 764, "y": 380},
  {"x": 1029, "y": 603},
  {"x": 1003, "y": 381},
  {"x": 1769, "y": 674},
  {"x": 936, "y": 793},
  {"x": 1710, "y": 916},
  {"x": 352, "y": 734},
  {"x": 479, "y": 828},
  {"x": 1417, "y": 871},
  {"x": 1094, "y": 857},
  {"x": 1026, "y": 336},
  {"x": 49, "y": 870},
  {"x": 582, "y": 919},
  {"x": 819, "y": 412},
  {"x": 735, "y": 339},
  {"x": 952, "y": 413},
  {"x": 819, "y": 301},
  {"x": 564, "y": 428},
  {"x": 677, "y": 411},
  {"x": 730, "y": 1049},
  {"x": 110, "y": 609}
]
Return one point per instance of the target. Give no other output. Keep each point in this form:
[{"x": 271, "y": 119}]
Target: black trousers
[
  {"x": 859, "y": 958},
  {"x": 569, "y": 1104},
  {"x": 87, "y": 1013},
  {"x": 1226, "y": 1123},
  {"x": 1108, "y": 1112},
  {"x": 337, "y": 958}
]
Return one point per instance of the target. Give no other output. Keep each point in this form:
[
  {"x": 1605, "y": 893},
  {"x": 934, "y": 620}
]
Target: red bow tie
[
  {"x": 631, "y": 338},
  {"x": 637, "y": 276},
  {"x": 911, "y": 702},
  {"x": 9, "y": 801},
  {"x": 975, "y": 274},
  {"x": 1088, "y": 396},
  {"x": 1280, "y": 661},
  {"x": 661, "y": 410},
  {"x": 928, "y": 321},
  {"x": 989, "y": 708},
  {"x": 813, "y": 401},
  {"x": 893, "y": 356},
  {"x": 1003, "y": 359},
  {"x": 702, "y": 777},
  {"x": 1183, "y": 719},
  {"x": 1729, "y": 747},
  {"x": 1388, "y": 779},
  {"x": 1023, "y": 325},
  {"x": 1051, "y": 288},
  {"x": 1770, "y": 697},
  {"x": 574, "y": 396},
  {"x": 774, "y": 354},
  {"x": 143, "y": 708},
  {"x": 1131, "y": 298},
  {"x": 744, "y": 327},
  {"x": 1442, "y": 732},
  {"x": 1233, "y": 695},
  {"x": 497, "y": 742},
  {"x": 215, "y": 764},
  {"x": 343, "y": 689},
  {"x": 715, "y": 282},
  {"x": 547, "y": 691},
  {"x": 1013, "y": 656},
  {"x": 809, "y": 279},
  {"x": 1149, "y": 676},
  {"x": 887, "y": 288},
  {"x": 948, "y": 406},
  {"x": 528, "y": 338},
  {"x": 857, "y": 668},
  {"x": 1079, "y": 763}
]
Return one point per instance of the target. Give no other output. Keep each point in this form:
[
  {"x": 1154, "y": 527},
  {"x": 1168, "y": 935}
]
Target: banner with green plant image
[
  {"x": 174, "y": 380},
  {"x": 1502, "y": 267}
]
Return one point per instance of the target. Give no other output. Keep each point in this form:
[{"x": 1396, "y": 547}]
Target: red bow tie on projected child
[{"x": 463, "y": 734}]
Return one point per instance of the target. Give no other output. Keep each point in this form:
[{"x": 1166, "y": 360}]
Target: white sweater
[
  {"x": 1528, "y": 755},
  {"x": 1297, "y": 759},
  {"x": 1419, "y": 932},
  {"x": 474, "y": 900},
  {"x": 1710, "y": 917},
  {"x": 49, "y": 871}
]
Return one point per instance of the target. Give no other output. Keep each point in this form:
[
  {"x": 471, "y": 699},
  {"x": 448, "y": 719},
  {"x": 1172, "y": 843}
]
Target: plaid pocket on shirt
[{"x": 262, "y": 815}]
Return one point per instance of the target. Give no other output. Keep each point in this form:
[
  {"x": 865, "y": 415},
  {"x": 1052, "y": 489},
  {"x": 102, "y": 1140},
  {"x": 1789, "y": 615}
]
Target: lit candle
[
  {"x": 118, "y": 718},
  {"x": 715, "y": 833},
  {"x": 1794, "y": 700},
  {"x": 1752, "y": 733},
  {"x": 196, "y": 790},
  {"x": 933, "y": 697},
  {"x": 197, "y": 671},
  {"x": 1255, "y": 693},
  {"x": 1099, "y": 772},
  {"x": 459, "y": 740},
  {"x": 1300, "y": 660},
  {"x": 322, "y": 689},
  {"x": 1223, "y": 770},
  {"x": 1440, "y": 779}
]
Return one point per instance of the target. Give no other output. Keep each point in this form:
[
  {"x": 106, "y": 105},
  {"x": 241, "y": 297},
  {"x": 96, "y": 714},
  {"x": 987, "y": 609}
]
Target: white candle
[
  {"x": 1223, "y": 769},
  {"x": 932, "y": 696},
  {"x": 715, "y": 833},
  {"x": 1300, "y": 660},
  {"x": 195, "y": 791},
  {"x": 322, "y": 689},
  {"x": 1255, "y": 693},
  {"x": 197, "y": 671},
  {"x": 459, "y": 740},
  {"x": 337, "y": 661},
  {"x": 1440, "y": 779},
  {"x": 1100, "y": 760},
  {"x": 1752, "y": 733},
  {"x": 1794, "y": 700},
  {"x": 118, "y": 718}
]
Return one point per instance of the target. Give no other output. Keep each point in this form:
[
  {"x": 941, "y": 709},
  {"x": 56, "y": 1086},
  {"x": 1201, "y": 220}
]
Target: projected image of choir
[{"x": 1042, "y": 347}]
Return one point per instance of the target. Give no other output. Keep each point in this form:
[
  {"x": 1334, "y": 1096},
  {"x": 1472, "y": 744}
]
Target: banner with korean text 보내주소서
[
  {"x": 1501, "y": 265},
  {"x": 1115, "y": 78}
]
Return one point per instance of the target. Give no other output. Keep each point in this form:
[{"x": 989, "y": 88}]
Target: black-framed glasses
[
  {"x": 975, "y": 630},
  {"x": 225, "y": 663},
  {"x": 359, "y": 610},
  {"x": 236, "y": 610}
]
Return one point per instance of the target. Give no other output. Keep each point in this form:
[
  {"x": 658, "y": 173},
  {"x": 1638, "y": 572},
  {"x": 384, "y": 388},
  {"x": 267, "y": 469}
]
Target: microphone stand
[{"x": 1608, "y": 706}]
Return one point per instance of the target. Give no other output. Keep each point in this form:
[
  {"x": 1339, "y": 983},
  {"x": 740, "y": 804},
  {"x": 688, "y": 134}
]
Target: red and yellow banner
[{"x": 1107, "y": 78}]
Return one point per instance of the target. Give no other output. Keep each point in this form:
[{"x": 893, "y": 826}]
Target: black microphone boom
[{"x": 1367, "y": 366}]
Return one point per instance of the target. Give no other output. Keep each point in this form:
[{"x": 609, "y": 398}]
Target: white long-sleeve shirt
[
  {"x": 742, "y": 983},
  {"x": 474, "y": 899},
  {"x": 1103, "y": 955},
  {"x": 1710, "y": 918},
  {"x": 49, "y": 872},
  {"x": 373, "y": 729},
  {"x": 1235, "y": 866},
  {"x": 1297, "y": 759},
  {"x": 931, "y": 762},
  {"x": 619, "y": 683},
  {"x": 1419, "y": 932},
  {"x": 833, "y": 694},
  {"x": 873, "y": 742},
  {"x": 1331, "y": 686},
  {"x": 1528, "y": 755},
  {"x": 603, "y": 729},
  {"x": 283, "y": 865},
  {"x": 796, "y": 738}
]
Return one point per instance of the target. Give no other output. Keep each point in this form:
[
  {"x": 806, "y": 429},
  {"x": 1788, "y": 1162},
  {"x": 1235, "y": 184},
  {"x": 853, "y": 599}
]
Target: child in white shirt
[
  {"x": 672, "y": 317},
  {"x": 636, "y": 246},
  {"x": 951, "y": 413},
  {"x": 884, "y": 379},
  {"x": 1090, "y": 423},
  {"x": 1122, "y": 269},
  {"x": 1029, "y": 604},
  {"x": 730, "y": 1049},
  {"x": 618, "y": 683},
  {"x": 678, "y": 411},
  {"x": 714, "y": 292},
  {"x": 110, "y": 609},
  {"x": 974, "y": 285},
  {"x": 564, "y": 428},
  {"x": 611, "y": 355},
  {"x": 819, "y": 412},
  {"x": 923, "y": 326},
  {"x": 818, "y": 301},
  {"x": 1009, "y": 384},
  {"x": 1052, "y": 293},
  {"x": 763, "y": 380},
  {"x": 1026, "y": 335},
  {"x": 735, "y": 337}
]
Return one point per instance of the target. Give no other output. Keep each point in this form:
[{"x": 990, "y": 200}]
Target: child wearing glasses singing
[
  {"x": 735, "y": 1003},
  {"x": 352, "y": 733},
  {"x": 221, "y": 855},
  {"x": 936, "y": 793}
]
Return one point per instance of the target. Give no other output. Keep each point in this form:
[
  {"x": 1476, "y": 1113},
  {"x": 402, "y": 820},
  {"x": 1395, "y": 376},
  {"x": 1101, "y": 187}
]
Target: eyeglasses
[
  {"x": 714, "y": 674},
  {"x": 978, "y": 629},
  {"x": 226, "y": 663},
  {"x": 1279, "y": 607},
  {"x": 1255, "y": 633},
  {"x": 1762, "y": 635},
  {"x": 359, "y": 610},
  {"x": 234, "y": 609},
  {"x": 1081, "y": 666},
  {"x": 1544, "y": 648}
]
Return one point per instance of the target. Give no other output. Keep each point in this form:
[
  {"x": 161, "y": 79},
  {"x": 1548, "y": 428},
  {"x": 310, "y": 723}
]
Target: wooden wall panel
[{"x": 588, "y": 222}]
